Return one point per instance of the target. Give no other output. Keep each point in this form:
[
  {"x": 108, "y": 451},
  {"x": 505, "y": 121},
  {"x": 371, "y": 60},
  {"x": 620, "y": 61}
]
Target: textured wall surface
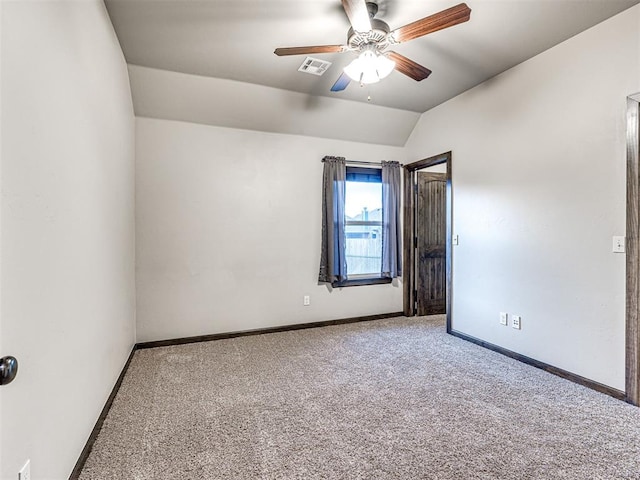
[
  {"x": 67, "y": 257},
  {"x": 228, "y": 227},
  {"x": 539, "y": 190}
]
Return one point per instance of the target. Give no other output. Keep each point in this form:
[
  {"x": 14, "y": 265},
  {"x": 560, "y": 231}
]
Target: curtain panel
[
  {"x": 333, "y": 256},
  {"x": 391, "y": 230}
]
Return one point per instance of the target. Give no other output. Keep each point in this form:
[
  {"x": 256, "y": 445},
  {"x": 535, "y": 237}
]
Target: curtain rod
[{"x": 359, "y": 162}]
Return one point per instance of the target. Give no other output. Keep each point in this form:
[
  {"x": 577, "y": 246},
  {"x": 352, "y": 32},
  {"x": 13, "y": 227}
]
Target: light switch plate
[
  {"x": 618, "y": 244},
  {"x": 454, "y": 240},
  {"x": 504, "y": 318}
]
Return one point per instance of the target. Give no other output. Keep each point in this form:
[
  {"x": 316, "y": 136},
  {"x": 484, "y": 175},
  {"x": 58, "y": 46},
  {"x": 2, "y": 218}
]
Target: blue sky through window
[{"x": 360, "y": 195}]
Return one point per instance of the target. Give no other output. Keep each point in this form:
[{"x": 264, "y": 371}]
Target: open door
[{"x": 430, "y": 251}]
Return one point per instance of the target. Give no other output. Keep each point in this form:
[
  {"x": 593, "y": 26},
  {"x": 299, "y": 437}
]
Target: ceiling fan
[{"x": 371, "y": 37}]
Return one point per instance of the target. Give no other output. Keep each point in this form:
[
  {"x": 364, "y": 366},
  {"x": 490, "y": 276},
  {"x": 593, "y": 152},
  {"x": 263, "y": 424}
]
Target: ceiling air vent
[{"x": 314, "y": 66}]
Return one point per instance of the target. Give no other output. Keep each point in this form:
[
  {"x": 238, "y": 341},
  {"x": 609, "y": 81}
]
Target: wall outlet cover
[
  {"x": 618, "y": 244},
  {"x": 516, "y": 321}
]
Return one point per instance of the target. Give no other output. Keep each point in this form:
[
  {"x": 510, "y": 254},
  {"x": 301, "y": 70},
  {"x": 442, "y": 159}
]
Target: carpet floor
[{"x": 387, "y": 399}]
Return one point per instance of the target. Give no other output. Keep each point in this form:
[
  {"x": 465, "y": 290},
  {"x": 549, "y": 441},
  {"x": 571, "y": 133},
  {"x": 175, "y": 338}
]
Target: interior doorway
[{"x": 427, "y": 258}]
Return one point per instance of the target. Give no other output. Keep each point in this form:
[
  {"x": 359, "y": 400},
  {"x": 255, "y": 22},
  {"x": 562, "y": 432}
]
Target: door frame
[
  {"x": 408, "y": 232},
  {"x": 632, "y": 289}
]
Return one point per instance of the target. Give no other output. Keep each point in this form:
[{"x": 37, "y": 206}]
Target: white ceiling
[
  {"x": 235, "y": 39},
  {"x": 228, "y": 103}
]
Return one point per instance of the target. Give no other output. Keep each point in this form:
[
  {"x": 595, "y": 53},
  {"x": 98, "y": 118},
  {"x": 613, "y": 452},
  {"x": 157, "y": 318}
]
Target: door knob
[{"x": 8, "y": 370}]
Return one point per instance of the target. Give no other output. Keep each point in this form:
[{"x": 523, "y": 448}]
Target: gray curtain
[
  {"x": 391, "y": 234},
  {"x": 333, "y": 259}
]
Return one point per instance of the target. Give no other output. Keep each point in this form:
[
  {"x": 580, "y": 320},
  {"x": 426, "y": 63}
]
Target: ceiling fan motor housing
[{"x": 376, "y": 36}]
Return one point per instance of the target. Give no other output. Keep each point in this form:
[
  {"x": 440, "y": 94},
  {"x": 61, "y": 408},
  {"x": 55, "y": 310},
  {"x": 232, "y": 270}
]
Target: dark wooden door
[{"x": 431, "y": 234}]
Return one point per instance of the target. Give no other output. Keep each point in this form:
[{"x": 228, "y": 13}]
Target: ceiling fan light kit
[
  {"x": 371, "y": 37},
  {"x": 369, "y": 67}
]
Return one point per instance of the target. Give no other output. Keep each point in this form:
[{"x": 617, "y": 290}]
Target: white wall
[
  {"x": 1, "y": 337},
  {"x": 67, "y": 254},
  {"x": 228, "y": 230},
  {"x": 539, "y": 190}
]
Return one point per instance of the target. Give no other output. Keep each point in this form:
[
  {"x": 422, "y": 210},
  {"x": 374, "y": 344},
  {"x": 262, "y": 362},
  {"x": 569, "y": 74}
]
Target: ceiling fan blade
[
  {"x": 446, "y": 18},
  {"x": 342, "y": 83},
  {"x": 409, "y": 67},
  {"x": 358, "y": 14},
  {"x": 306, "y": 50}
]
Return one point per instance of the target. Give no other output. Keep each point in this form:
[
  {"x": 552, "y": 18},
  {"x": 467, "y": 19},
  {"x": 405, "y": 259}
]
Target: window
[
  {"x": 363, "y": 222},
  {"x": 361, "y": 237}
]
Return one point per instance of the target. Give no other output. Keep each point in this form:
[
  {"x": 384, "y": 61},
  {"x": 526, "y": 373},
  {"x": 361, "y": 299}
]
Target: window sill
[{"x": 357, "y": 282}]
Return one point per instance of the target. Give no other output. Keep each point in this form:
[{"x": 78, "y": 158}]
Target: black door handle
[{"x": 8, "y": 370}]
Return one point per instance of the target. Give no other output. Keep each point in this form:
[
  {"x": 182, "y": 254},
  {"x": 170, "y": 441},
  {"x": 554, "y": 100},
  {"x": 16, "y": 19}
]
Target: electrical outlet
[
  {"x": 516, "y": 321},
  {"x": 306, "y": 301},
  {"x": 504, "y": 318},
  {"x": 25, "y": 472},
  {"x": 618, "y": 244}
]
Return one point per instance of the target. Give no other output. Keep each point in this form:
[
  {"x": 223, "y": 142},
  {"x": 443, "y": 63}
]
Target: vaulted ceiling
[{"x": 235, "y": 40}]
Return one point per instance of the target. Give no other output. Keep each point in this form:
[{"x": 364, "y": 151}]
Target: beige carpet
[{"x": 386, "y": 399}]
